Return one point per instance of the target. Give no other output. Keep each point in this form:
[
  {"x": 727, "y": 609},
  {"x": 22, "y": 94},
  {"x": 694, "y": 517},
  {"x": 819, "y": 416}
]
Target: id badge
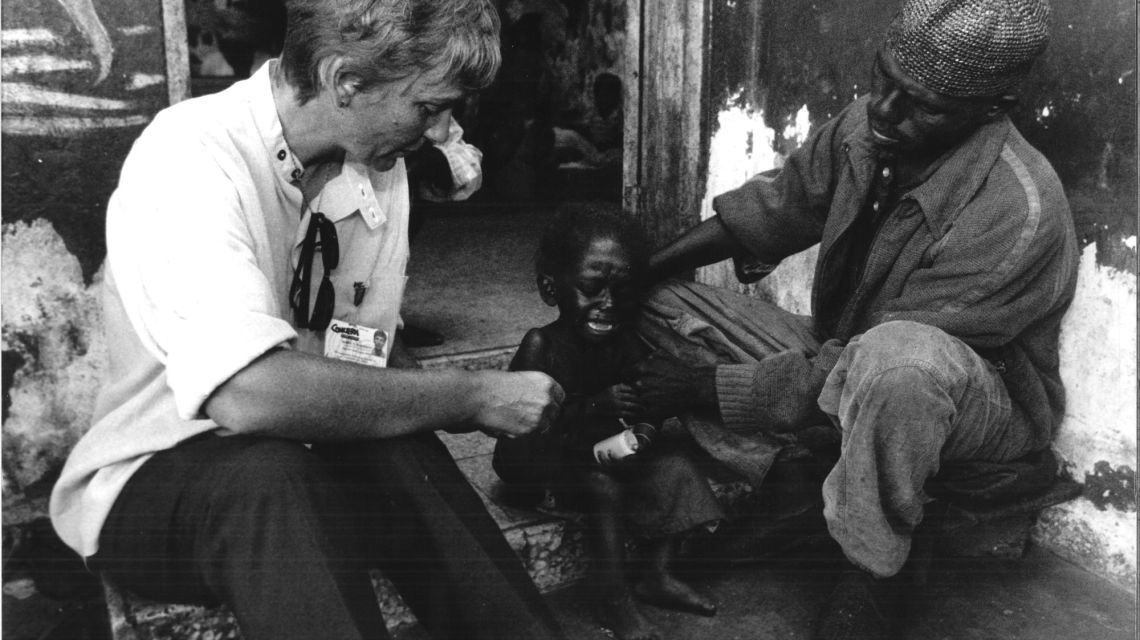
[{"x": 358, "y": 343}]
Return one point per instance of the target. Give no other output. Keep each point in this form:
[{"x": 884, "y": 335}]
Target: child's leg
[
  {"x": 669, "y": 497},
  {"x": 660, "y": 587},
  {"x": 613, "y": 599}
]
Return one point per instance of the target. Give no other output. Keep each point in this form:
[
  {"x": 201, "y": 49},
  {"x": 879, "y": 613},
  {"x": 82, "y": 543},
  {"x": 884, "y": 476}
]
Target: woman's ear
[
  {"x": 347, "y": 86},
  {"x": 344, "y": 84},
  {"x": 546, "y": 289}
]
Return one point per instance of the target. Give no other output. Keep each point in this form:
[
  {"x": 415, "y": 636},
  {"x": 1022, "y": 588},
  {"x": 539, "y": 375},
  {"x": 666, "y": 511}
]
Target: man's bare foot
[
  {"x": 621, "y": 615},
  {"x": 663, "y": 590}
]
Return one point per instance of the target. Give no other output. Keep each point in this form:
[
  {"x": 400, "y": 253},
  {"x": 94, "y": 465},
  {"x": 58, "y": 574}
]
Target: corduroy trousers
[{"x": 906, "y": 397}]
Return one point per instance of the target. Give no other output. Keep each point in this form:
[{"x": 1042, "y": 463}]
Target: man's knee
[
  {"x": 900, "y": 363},
  {"x": 914, "y": 354},
  {"x": 903, "y": 342}
]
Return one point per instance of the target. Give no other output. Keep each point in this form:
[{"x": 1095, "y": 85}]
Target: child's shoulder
[
  {"x": 537, "y": 346},
  {"x": 554, "y": 333},
  {"x": 535, "y": 339}
]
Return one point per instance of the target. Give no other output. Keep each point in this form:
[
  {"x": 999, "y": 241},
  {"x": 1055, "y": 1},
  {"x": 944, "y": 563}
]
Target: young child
[{"x": 590, "y": 264}]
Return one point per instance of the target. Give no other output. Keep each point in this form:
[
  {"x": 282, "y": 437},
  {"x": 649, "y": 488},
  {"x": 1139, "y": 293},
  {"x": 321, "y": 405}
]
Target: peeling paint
[
  {"x": 67, "y": 125},
  {"x": 53, "y": 331},
  {"x": 137, "y": 30},
  {"x": 1098, "y": 368},
  {"x": 1108, "y": 487},
  {"x": 16, "y": 65},
  {"x": 1103, "y": 542},
  {"x": 143, "y": 80},
  {"x": 10, "y": 38},
  {"x": 742, "y": 146},
  {"x": 19, "y": 93}
]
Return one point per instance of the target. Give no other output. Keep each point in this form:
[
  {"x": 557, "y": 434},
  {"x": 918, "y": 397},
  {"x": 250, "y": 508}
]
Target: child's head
[{"x": 591, "y": 264}]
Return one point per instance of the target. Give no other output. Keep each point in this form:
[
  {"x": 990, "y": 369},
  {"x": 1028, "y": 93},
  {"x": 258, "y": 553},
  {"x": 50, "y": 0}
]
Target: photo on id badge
[{"x": 357, "y": 343}]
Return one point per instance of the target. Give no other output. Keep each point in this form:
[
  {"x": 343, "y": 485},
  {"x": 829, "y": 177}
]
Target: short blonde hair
[{"x": 386, "y": 40}]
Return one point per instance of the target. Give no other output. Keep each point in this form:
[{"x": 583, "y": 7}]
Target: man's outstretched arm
[{"x": 707, "y": 243}]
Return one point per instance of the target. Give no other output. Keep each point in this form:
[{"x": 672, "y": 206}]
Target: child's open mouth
[{"x": 601, "y": 326}]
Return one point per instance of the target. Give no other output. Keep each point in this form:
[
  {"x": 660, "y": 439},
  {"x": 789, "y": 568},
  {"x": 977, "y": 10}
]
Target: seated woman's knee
[{"x": 267, "y": 466}]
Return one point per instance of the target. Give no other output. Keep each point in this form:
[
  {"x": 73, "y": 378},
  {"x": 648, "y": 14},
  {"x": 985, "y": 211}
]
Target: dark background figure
[{"x": 514, "y": 127}]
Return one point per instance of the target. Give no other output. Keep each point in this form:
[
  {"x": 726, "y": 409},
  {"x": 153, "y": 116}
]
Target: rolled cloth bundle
[{"x": 968, "y": 48}]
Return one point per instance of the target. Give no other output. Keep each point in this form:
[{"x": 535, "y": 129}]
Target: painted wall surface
[
  {"x": 1078, "y": 107},
  {"x": 80, "y": 80}
]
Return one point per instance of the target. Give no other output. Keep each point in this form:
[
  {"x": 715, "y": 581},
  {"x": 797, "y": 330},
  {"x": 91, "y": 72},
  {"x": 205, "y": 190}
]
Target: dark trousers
[{"x": 285, "y": 536}]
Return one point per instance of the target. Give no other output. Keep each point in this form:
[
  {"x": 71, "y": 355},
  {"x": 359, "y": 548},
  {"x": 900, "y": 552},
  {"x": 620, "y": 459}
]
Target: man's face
[
  {"x": 906, "y": 118},
  {"x": 392, "y": 120},
  {"x": 599, "y": 295}
]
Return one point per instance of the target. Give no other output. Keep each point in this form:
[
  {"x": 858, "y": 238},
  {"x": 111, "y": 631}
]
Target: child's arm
[
  {"x": 528, "y": 461},
  {"x": 618, "y": 401}
]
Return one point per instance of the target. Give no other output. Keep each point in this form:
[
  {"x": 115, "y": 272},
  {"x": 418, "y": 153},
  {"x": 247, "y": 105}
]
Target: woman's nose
[{"x": 438, "y": 131}]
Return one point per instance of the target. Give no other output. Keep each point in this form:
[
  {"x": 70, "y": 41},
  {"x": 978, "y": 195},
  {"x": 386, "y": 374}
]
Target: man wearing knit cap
[{"x": 947, "y": 259}]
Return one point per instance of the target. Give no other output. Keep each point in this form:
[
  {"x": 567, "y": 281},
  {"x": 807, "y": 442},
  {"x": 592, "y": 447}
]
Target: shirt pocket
[{"x": 373, "y": 303}]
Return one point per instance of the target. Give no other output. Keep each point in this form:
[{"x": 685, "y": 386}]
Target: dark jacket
[{"x": 983, "y": 249}]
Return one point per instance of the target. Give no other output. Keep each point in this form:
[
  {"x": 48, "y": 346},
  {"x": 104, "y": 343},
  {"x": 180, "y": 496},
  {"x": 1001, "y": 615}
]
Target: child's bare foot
[
  {"x": 663, "y": 590},
  {"x": 621, "y": 615}
]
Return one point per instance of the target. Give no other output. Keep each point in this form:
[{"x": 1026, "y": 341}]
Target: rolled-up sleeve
[{"x": 192, "y": 273}]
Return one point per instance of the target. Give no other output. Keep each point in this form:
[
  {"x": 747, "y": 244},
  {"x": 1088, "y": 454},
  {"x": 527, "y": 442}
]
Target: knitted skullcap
[{"x": 967, "y": 48}]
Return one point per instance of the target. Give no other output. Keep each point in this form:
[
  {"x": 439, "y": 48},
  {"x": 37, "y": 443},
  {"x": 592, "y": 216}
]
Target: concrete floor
[
  {"x": 1039, "y": 597},
  {"x": 471, "y": 280}
]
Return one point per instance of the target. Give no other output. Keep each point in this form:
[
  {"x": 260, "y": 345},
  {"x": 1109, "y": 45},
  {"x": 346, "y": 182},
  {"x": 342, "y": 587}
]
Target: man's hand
[
  {"x": 618, "y": 401},
  {"x": 516, "y": 403},
  {"x": 667, "y": 386}
]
